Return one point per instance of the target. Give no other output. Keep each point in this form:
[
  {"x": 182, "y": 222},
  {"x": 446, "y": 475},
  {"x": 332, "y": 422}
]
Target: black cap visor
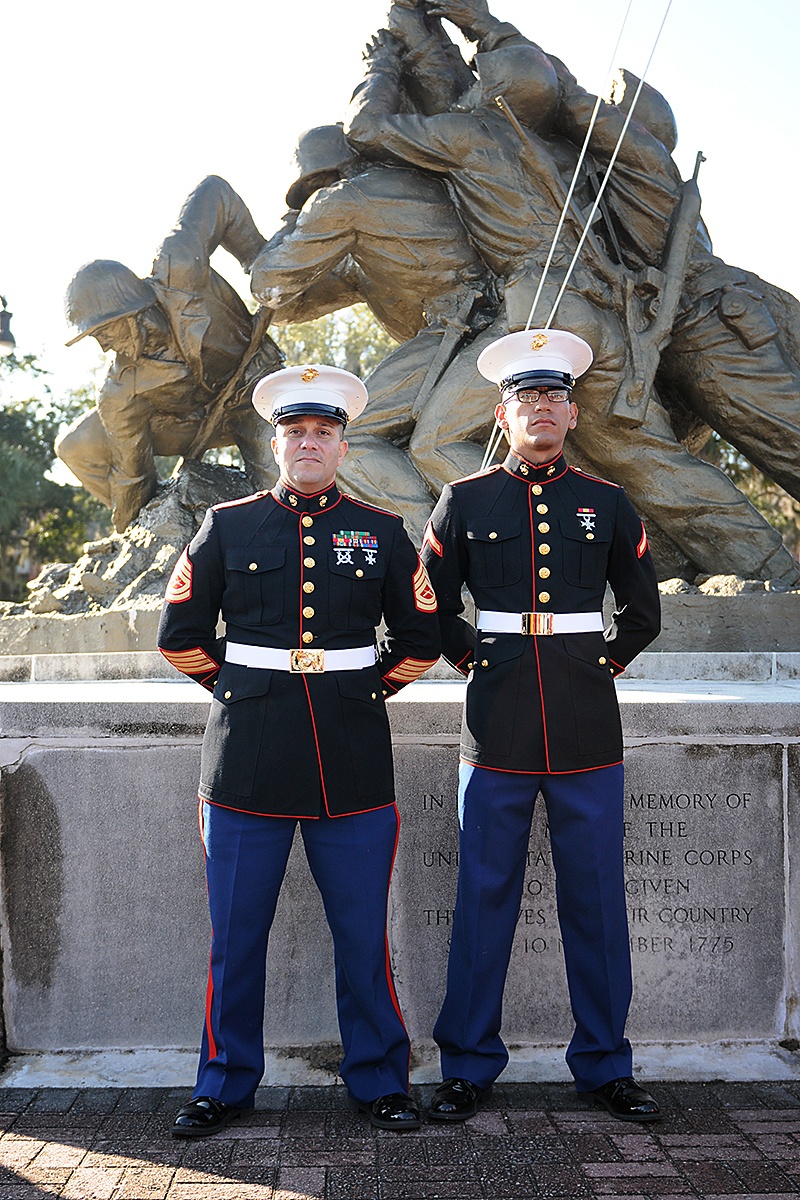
[
  {"x": 308, "y": 408},
  {"x": 523, "y": 379}
]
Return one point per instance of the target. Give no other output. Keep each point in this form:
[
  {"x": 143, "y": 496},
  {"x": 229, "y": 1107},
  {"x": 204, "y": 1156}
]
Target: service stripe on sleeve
[
  {"x": 432, "y": 540},
  {"x": 640, "y": 549},
  {"x": 424, "y": 595},
  {"x": 190, "y": 662},
  {"x": 409, "y": 669},
  {"x": 179, "y": 587}
]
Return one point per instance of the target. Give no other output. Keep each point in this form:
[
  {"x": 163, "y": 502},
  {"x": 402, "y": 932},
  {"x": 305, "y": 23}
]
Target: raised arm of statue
[
  {"x": 213, "y": 215},
  {"x": 377, "y": 127},
  {"x": 477, "y": 24},
  {"x": 434, "y": 72}
]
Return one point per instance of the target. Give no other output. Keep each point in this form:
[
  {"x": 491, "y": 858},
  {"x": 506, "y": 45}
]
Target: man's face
[
  {"x": 121, "y": 335},
  {"x": 536, "y": 423},
  {"x": 308, "y": 451}
]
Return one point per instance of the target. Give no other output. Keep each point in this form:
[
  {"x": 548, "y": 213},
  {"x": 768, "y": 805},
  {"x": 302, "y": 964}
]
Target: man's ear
[
  {"x": 573, "y": 414},
  {"x": 500, "y": 416}
]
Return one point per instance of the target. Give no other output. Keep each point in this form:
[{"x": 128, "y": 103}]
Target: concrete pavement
[{"x": 531, "y": 1140}]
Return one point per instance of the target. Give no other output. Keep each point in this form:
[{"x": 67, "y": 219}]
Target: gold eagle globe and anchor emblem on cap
[
  {"x": 539, "y": 341},
  {"x": 309, "y": 374}
]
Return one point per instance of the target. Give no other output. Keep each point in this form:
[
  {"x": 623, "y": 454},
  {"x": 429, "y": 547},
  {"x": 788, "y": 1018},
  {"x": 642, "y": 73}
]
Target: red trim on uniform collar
[
  {"x": 540, "y": 473},
  {"x": 299, "y": 502}
]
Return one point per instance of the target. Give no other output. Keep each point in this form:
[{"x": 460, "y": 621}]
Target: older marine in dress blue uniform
[
  {"x": 302, "y": 575},
  {"x": 535, "y": 541}
]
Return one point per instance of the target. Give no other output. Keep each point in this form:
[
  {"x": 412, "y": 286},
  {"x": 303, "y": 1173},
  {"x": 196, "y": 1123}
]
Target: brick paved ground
[{"x": 716, "y": 1140}]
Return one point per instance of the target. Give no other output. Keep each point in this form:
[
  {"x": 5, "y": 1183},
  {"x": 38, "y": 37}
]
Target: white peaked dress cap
[
  {"x": 535, "y": 355},
  {"x": 310, "y": 390}
]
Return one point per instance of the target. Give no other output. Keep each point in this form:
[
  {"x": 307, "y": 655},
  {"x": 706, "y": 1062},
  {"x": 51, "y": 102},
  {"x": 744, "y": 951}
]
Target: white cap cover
[
  {"x": 535, "y": 356},
  {"x": 313, "y": 389}
]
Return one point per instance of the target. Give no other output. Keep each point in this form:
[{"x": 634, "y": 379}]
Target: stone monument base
[{"x": 104, "y": 924}]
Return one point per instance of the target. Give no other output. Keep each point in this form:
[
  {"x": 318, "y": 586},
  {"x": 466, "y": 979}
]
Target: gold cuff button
[
  {"x": 544, "y": 548},
  {"x": 541, "y": 508},
  {"x": 309, "y": 540},
  {"x": 543, "y": 527},
  {"x": 309, "y": 562},
  {"x": 536, "y": 488},
  {"x": 602, "y": 661},
  {"x": 308, "y": 637},
  {"x": 544, "y": 572},
  {"x": 253, "y": 566},
  {"x": 308, "y": 612},
  {"x": 308, "y": 586},
  {"x": 359, "y": 574},
  {"x": 544, "y": 597},
  {"x": 308, "y": 521}
]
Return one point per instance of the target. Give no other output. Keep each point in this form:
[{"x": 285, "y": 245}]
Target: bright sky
[{"x": 114, "y": 109}]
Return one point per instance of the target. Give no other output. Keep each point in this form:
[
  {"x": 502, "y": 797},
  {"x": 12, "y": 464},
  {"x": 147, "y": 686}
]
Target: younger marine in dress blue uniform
[
  {"x": 536, "y": 541},
  {"x": 302, "y": 575}
]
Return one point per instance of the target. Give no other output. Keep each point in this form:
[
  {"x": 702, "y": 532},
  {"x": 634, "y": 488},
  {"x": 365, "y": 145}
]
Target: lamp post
[{"x": 7, "y": 340}]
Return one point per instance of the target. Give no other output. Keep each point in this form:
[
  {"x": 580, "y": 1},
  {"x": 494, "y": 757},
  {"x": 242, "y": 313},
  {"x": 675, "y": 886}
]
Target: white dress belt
[
  {"x": 541, "y": 623},
  {"x": 304, "y": 660}
]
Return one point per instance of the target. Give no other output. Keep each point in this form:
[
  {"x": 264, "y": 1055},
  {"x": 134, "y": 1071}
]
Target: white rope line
[
  {"x": 609, "y": 169},
  {"x": 579, "y": 164}
]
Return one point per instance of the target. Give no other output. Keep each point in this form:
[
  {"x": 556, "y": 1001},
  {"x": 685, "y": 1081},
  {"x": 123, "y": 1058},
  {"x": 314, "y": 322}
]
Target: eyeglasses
[{"x": 534, "y": 395}]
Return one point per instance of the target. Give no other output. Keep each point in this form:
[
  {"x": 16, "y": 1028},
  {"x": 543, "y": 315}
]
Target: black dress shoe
[
  {"x": 396, "y": 1111},
  {"x": 627, "y": 1101},
  {"x": 204, "y": 1116},
  {"x": 457, "y": 1099}
]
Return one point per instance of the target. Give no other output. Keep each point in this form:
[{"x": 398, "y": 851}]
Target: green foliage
[
  {"x": 779, "y": 508},
  {"x": 40, "y": 520},
  {"x": 351, "y": 339}
]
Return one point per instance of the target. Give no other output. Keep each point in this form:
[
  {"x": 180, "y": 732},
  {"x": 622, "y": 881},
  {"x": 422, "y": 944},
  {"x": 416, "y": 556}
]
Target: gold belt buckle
[
  {"x": 540, "y": 623},
  {"x": 307, "y": 661}
]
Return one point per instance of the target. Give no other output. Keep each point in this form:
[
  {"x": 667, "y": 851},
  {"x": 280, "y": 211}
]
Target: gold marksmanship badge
[
  {"x": 309, "y": 374},
  {"x": 539, "y": 342},
  {"x": 307, "y": 661}
]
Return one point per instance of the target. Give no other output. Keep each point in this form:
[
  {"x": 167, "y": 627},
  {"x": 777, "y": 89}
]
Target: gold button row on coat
[
  {"x": 544, "y": 548},
  {"x": 543, "y": 527},
  {"x": 544, "y": 572},
  {"x": 308, "y": 586},
  {"x": 308, "y": 612},
  {"x": 544, "y": 597},
  {"x": 542, "y": 508},
  {"x": 308, "y": 522},
  {"x": 308, "y": 636},
  {"x": 309, "y": 562},
  {"x": 536, "y": 488},
  {"x": 309, "y": 540}
]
